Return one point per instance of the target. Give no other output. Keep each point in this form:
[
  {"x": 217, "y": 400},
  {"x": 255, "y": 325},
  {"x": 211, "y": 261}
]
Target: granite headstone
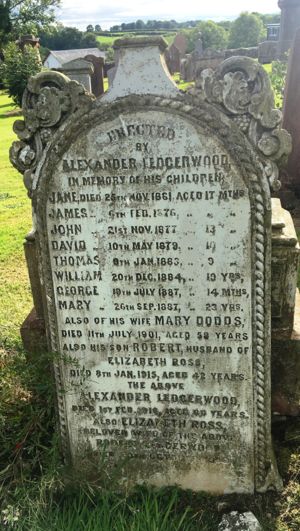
[{"x": 152, "y": 215}]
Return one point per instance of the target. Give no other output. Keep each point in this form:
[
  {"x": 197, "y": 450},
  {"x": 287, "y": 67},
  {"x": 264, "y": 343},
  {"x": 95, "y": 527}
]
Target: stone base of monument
[
  {"x": 33, "y": 334},
  {"x": 286, "y": 370}
]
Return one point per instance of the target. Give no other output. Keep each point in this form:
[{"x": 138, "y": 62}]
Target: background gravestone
[
  {"x": 291, "y": 116},
  {"x": 153, "y": 224},
  {"x": 79, "y": 70},
  {"x": 289, "y": 24}
]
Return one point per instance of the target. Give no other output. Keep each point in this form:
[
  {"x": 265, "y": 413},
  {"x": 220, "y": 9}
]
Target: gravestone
[
  {"x": 173, "y": 58},
  {"x": 267, "y": 52},
  {"x": 180, "y": 41},
  {"x": 198, "y": 51},
  {"x": 152, "y": 218},
  {"x": 289, "y": 24},
  {"x": 175, "y": 52},
  {"x": 291, "y": 115},
  {"x": 97, "y": 82},
  {"x": 79, "y": 70}
]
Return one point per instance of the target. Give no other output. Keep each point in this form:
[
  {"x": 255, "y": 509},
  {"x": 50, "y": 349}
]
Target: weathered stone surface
[
  {"x": 235, "y": 521},
  {"x": 33, "y": 334},
  {"x": 145, "y": 75},
  {"x": 291, "y": 120},
  {"x": 193, "y": 64},
  {"x": 153, "y": 220},
  {"x": 285, "y": 262},
  {"x": 286, "y": 369},
  {"x": 30, "y": 252},
  {"x": 79, "y": 70},
  {"x": 251, "y": 107},
  {"x": 243, "y": 52},
  {"x": 173, "y": 58},
  {"x": 285, "y": 314},
  {"x": 180, "y": 42},
  {"x": 97, "y": 82},
  {"x": 289, "y": 24},
  {"x": 267, "y": 52}
]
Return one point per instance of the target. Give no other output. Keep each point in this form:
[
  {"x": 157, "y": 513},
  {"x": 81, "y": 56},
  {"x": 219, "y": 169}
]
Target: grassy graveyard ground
[{"x": 36, "y": 492}]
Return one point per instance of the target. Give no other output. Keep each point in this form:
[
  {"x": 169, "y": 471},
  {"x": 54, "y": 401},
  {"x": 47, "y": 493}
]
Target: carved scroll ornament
[
  {"x": 49, "y": 99},
  {"x": 242, "y": 89}
]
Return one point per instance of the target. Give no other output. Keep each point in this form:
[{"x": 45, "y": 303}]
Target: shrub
[
  {"x": 278, "y": 76},
  {"x": 246, "y": 31},
  {"x": 17, "y": 68}
]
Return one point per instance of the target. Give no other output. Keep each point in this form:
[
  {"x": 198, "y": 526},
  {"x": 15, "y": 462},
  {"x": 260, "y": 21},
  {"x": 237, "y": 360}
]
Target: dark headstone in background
[
  {"x": 289, "y": 23},
  {"x": 291, "y": 118}
]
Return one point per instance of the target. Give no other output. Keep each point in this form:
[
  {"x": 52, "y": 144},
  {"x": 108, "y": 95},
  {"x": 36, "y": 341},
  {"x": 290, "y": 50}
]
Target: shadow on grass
[{"x": 7, "y": 105}]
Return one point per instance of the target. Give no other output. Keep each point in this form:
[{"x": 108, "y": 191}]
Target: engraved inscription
[{"x": 149, "y": 238}]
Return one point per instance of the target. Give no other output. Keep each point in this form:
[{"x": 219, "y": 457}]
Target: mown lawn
[
  {"x": 36, "y": 492},
  {"x": 15, "y": 222},
  {"x": 109, "y": 40}
]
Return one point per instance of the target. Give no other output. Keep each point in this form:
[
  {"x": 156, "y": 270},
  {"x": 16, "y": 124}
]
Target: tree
[
  {"x": 17, "y": 68},
  {"x": 90, "y": 28},
  {"x": 65, "y": 38},
  {"x": 61, "y": 38},
  {"x": 88, "y": 40},
  {"x": 213, "y": 35},
  {"x": 109, "y": 55},
  {"x": 18, "y": 17},
  {"x": 247, "y": 30},
  {"x": 226, "y": 24},
  {"x": 97, "y": 28},
  {"x": 268, "y": 19},
  {"x": 140, "y": 24},
  {"x": 5, "y": 22},
  {"x": 278, "y": 77}
]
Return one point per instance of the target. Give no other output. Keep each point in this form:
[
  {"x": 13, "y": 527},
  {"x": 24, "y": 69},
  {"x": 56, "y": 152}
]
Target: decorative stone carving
[
  {"x": 242, "y": 88},
  {"x": 49, "y": 99}
]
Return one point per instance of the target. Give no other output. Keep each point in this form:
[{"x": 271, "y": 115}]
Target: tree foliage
[
  {"x": 65, "y": 38},
  {"x": 268, "y": 18},
  {"x": 154, "y": 25},
  {"x": 88, "y": 40},
  {"x": 278, "y": 77},
  {"x": 5, "y": 22},
  {"x": 213, "y": 35},
  {"x": 17, "y": 68},
  {"x": 246, "y": 31},
  {"x": 18, "y": 17}
]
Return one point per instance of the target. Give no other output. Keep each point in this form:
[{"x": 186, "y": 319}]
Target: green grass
[
  {"x": 268, "y": 68},
  {"x": 182, "y": 85},
  {"x": 36, "y": 492},
  {"x": 15, "y": 222},
  {"x": 109, "y": 40},
  {"x": 143, "y": 510},
  {"x": 277, "y": 95}
]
